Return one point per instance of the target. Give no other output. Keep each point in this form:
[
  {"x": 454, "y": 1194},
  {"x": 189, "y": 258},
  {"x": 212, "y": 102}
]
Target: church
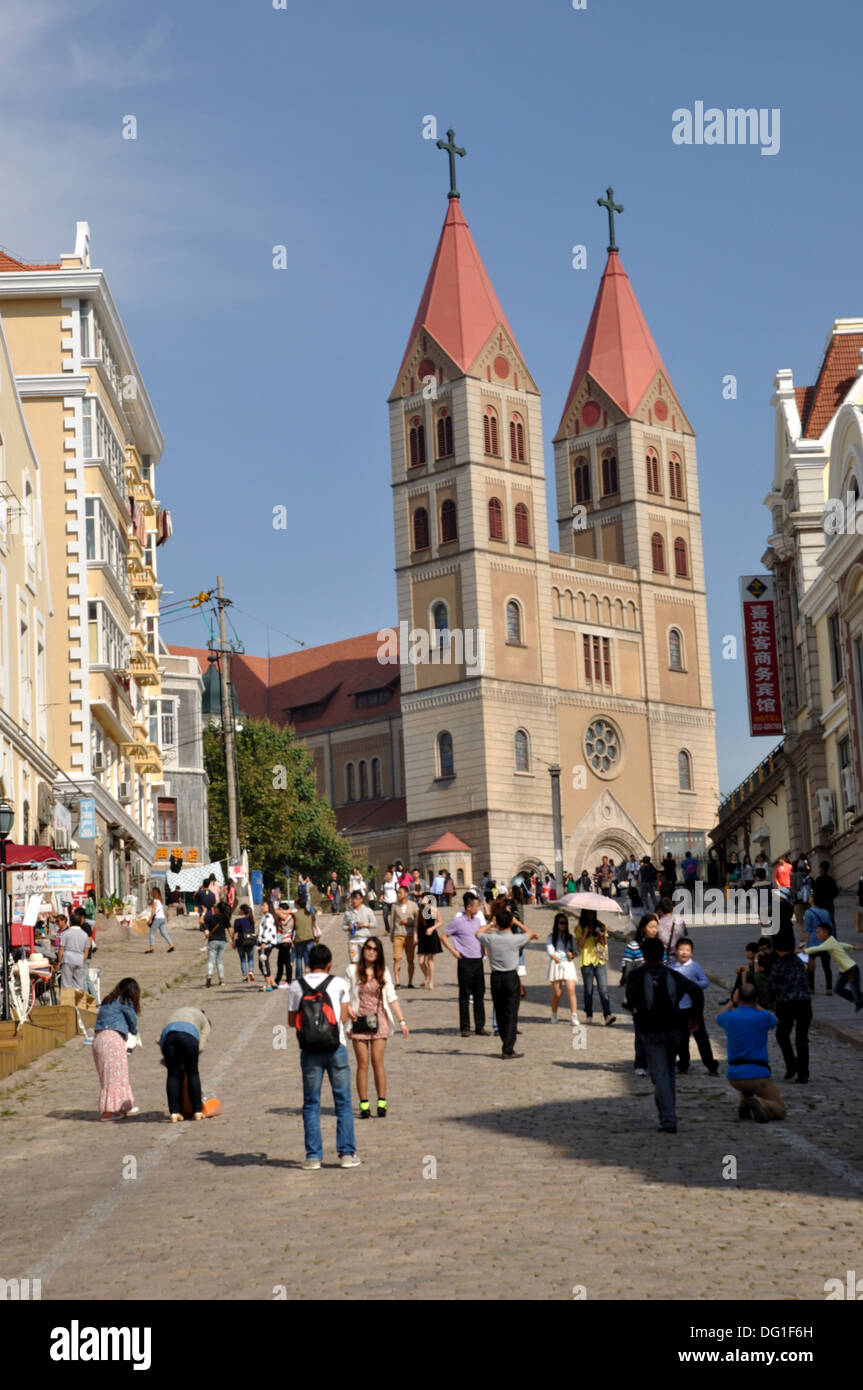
[{"x": 593, "y": 655}]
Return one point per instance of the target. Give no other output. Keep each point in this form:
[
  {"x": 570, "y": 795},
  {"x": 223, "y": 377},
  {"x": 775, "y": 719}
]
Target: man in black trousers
[
  {"x": 789, "y": 989},
  {"x": 471, "y": 978}
]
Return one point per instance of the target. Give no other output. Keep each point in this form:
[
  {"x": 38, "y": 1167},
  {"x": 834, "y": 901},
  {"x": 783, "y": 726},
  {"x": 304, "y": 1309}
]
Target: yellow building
[
  {"x": 98, "y": 441},
  {"x": 27, "y": 770}
]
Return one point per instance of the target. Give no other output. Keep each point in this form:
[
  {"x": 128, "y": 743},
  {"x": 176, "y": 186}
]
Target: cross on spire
[
  {"x": 613, "y": 207},
  {"x": 452, "y": 150}
]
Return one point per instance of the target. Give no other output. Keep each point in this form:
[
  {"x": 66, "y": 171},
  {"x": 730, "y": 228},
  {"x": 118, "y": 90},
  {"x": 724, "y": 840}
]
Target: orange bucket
[{"x": 212, "y": 1107}]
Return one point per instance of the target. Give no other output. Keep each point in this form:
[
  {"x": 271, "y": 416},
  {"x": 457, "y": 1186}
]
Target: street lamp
[{"x": 7, "y": 820}]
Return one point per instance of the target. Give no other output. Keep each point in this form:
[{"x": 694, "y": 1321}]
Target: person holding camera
[
  {"x": 746, "y": 1026},
  {"x": 371, "y": 994},
  {"x": 503, "y": 946}
]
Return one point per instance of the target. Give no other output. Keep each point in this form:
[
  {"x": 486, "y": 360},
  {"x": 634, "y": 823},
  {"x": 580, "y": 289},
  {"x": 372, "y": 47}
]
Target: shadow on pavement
[{"x": 614, "y": 1133}]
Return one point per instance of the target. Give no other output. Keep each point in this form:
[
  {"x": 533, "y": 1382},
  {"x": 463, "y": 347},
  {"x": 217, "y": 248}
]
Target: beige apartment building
[
  {"x": 808, "y": 794},
  {"x": 27, "y": 767},
  {"x": 98, "y": 442}
]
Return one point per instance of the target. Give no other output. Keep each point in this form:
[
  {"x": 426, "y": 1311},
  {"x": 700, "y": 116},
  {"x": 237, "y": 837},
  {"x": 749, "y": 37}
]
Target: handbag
[
  {"x": 133, "y": 1040},
  {"x": 365, "y": 1025}
]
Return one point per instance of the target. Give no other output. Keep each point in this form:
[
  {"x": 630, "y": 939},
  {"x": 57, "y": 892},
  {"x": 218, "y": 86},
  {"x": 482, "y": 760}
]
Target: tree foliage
[{"x": 282, "y": 819}]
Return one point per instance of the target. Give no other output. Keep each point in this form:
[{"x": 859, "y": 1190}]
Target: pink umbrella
[{"x": 575, "y": 902}]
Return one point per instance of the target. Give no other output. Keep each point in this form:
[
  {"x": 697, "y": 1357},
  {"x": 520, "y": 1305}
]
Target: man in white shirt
[
  {"x": 359, "y": 920},
  {"x": 388, "y": 896},
  {"x": 437, "y": 888},
  {"x": 333, "y": 1063}
]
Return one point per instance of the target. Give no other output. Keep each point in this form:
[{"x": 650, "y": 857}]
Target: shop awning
[{"x": 35, "y": 857}]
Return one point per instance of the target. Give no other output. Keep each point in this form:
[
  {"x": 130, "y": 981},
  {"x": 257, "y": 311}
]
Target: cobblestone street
[{"x": 488, "y": 1180}]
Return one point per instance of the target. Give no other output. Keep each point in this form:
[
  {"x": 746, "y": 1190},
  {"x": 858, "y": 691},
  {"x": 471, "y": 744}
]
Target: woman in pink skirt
[{"x": 117, "y": 1018}]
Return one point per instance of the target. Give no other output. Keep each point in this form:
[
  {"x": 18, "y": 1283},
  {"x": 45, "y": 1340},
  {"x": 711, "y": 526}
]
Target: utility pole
[{"x": 228, "y": 731}]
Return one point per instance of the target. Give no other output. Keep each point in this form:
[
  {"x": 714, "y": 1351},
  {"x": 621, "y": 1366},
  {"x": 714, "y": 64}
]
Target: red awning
[{"x": 35, "y": 857}]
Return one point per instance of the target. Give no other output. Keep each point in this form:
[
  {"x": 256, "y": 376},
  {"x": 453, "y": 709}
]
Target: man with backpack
[
  {"x": 318, "y": 1009},
  {"x": 654, "y": 994}
]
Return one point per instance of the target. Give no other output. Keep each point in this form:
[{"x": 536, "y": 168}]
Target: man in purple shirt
[{"x": 468, "y": 952}]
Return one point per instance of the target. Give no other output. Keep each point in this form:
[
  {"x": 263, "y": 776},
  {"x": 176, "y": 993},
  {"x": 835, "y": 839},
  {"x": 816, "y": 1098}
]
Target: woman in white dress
[{"x": 561, "y": 966}]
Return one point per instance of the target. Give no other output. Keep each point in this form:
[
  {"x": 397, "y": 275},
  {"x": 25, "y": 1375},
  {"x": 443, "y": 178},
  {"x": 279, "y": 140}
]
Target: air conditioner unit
[
  {"x": 826, "y": 807},
  {"x": 98, "y": 762},
  {"x": 124, "y": 793},
  {"x": 848, "y": 795}
]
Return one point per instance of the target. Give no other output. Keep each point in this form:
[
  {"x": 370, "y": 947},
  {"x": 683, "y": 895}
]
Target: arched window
[
  {"x": 675, "y": 650},
  {"x": 681, "y": 558},
  {"x": 364, "y": 781},
  {"x": 417, "y": 442},
  {"x": 555, "y": 602},
  {"x": 581, "y": 480},
  {"x": 516, "y": 439},
  {"x": 675, "y": 476},
  {"x": 609, "y": 474},
  {"x": 522, "y": 524},
  {"x": 492, "y": 442},
  {"x": 448, "y": 527},
  {"x": 350, "y": 789},
  {"x": 421, "y": 529},
  {"x": 513, "y": 623},
  {"x": 459, "y": 878},
  {"x": 495, "y": 519},
  {"x": 376, "y": 777},
  {"x": 652, "y": 461},
  {"x": 440, "y": 623},
  {"x": 522, "y": 751},
  {"x": 444, "y": 435},
  {"x": 446, "y": 765},
  {"x": 657, "y": 547},
  {"x": 684, "y": 770}
]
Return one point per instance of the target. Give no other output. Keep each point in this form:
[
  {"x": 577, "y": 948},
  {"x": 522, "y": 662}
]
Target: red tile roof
[
  {"x": 270, "y": 689},
  {"x": 804, "y": 395},
  {"x": 390, "y": 812},
  {"x": 618, "y": 350},
  {"x": 8, "y": 262},
  {"x": 445, "y": 842},
  {"x": 459, "y": 307},
  {"x": 838, "y": 371}
]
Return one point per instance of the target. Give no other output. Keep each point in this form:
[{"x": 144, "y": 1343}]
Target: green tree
[{"x": 282, "y": 818}]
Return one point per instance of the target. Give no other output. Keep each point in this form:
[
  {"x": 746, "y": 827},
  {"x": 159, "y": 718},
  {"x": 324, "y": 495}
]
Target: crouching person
[
  {"x": 183, "y": 1039},
  {"x": 746, "y": 1027}
]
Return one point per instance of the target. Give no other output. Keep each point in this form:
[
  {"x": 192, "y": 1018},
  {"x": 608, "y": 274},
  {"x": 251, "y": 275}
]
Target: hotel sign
[{"x": 762, "y": 657}]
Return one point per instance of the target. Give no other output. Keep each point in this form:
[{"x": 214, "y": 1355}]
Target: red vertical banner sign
[{"x": 762, "y": 656}]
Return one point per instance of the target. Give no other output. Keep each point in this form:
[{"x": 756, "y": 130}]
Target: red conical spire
[
  {"x": 459, "y": 307},
  {"x": 618, "y": 350}
]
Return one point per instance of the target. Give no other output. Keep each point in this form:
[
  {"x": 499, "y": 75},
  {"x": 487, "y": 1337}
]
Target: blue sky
[{"x": 303, "y": 127}]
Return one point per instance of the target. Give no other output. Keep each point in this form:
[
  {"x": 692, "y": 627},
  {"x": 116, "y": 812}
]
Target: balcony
[
  {"x": 144, "y": 756},
  {"x": 142, "y": 580},
  {"x": 141, "y": 490},
  {"x": 145, "y": 668}
]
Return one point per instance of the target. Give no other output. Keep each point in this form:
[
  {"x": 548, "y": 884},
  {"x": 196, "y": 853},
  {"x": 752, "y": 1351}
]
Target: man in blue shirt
[{"x": 746, "y": 1027}]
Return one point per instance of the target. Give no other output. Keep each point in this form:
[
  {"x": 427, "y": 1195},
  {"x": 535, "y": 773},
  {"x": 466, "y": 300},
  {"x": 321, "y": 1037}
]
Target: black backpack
[
  {"x": 317, "y": 1025},
  {"x": 302, "y": 894}
]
